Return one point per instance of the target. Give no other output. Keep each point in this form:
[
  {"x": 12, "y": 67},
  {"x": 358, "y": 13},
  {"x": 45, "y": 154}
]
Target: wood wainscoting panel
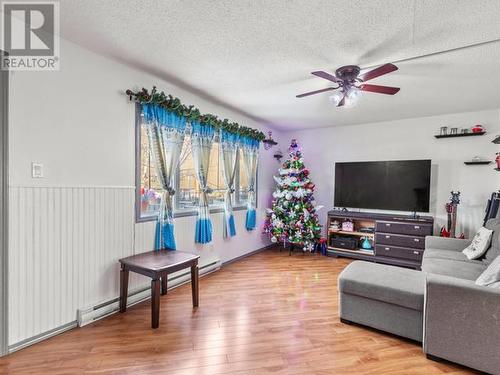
[{"x": 64, "y": 247}]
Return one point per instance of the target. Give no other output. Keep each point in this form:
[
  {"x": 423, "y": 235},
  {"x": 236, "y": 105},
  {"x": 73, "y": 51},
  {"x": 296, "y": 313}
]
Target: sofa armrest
[
  {"x": 462, "y": 322},
  {"x": 445, "y": 243}
]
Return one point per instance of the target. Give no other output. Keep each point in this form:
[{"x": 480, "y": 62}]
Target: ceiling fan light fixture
[
  {"x": 352, "y": 97},
  {"x": 336, "y": 97}
]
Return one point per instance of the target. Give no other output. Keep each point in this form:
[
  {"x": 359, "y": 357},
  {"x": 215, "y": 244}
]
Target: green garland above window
[{"x": 191, "y": 113}]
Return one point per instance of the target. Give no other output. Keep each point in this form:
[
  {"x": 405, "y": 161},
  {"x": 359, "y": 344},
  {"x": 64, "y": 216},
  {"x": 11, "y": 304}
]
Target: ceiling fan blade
[
  {"x": 342, "y": 102},
  {"x": 325, "y": 75},
  {"x": 377, "y": 72},
  {"x": 315, "y": 92},
  {"x": 379, "y": 89}
]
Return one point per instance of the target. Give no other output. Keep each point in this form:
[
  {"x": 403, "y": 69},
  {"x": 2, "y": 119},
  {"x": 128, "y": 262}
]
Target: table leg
[
  {"x": 123, "y": 289},
  {"x": 194, "y": 284},
  {"x": 164, "y": 284},
  {"x": 155, "y": 303}
]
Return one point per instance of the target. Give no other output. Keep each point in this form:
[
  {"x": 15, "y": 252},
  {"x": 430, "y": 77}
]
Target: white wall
[
  {"x": 412, "y": 139},
  {"x": 69, "y": 229}
]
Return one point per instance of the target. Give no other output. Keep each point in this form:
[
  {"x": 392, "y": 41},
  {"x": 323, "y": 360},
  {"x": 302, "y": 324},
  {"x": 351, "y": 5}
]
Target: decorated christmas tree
[{"x": 293, "y": 217}]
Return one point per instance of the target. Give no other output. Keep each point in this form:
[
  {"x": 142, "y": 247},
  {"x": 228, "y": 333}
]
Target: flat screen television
[{"x": 402, "y": 185}]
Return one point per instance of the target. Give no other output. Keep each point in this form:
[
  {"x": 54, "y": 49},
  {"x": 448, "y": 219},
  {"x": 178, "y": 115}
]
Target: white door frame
[{"x": 4, "y": 163}]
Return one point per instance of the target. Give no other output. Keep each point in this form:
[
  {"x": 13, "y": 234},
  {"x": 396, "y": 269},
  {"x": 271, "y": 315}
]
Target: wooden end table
[{"x": 157, "y": 265}]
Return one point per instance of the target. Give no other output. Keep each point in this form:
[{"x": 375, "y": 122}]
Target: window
[
  {"x": 241, "y": 182},
  {"x": 187, "y": 189},
  {"x": 149, "y": 187}
]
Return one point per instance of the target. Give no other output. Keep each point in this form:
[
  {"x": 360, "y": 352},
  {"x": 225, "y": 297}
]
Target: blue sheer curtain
[
  {"x": 250, "y": 153},
  {"x": 228, "y": 156},
  {"x": 202, "y": 137},
  {"x": 165, "y": 136}
]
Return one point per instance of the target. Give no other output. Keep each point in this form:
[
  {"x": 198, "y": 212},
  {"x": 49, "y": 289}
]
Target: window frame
[{"x": 176, "y": 212}]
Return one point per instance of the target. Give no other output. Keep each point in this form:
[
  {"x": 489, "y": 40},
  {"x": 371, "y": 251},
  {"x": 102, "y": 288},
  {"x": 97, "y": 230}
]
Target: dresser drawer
[
  {"x": 398, "y": 252},
  {"x": 419, "y": 230},
  {"x": 400, "y": 240}
]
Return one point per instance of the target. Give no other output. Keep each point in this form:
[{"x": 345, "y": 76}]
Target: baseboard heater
[{"x": 91, "y": 314}]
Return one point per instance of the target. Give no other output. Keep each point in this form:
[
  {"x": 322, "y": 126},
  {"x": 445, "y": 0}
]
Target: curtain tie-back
[
  {"x": 231, "y": 191},
  {"x": 170, "y": 191},
  {"x": 207, "y": 190},
  {"x": 251, "y": 189}
]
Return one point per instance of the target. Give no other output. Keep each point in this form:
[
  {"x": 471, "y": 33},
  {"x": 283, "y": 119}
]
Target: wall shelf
[
  {"x": 482, "y": 162},
  {"x": 459, "y": 135}
]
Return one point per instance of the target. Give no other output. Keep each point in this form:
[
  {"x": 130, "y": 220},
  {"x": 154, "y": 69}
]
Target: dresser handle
[
  {"x": 416, "y": 227},
  {"x": 387, "y": 236},
  {"x": 416, "y": 252},
  {"x": 387, "y": 224},
  {"x": 416, "y": 240},
  {"x": 387, "y": 248}
]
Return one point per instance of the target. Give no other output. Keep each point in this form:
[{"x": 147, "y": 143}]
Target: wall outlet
[{"x": 36, "y": 170}]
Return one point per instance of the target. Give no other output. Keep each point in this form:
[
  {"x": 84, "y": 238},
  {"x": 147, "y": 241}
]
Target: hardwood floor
[{"x": 266, "y": 314}]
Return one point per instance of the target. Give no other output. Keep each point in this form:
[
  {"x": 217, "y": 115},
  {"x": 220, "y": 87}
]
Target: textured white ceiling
[{"x": 256, "y": 55}]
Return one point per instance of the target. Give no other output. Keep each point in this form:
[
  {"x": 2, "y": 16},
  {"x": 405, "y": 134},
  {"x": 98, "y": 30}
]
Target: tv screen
[{"x": 402, "y": 185}]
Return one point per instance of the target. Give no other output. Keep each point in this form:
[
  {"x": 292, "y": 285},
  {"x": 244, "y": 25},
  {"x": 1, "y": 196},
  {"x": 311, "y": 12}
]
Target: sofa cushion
[
  {"x": 491, "y": 275},
  {"x": 448, "y": 254},
  {"x": 454, "y": 268},
  {"x": 480, "y": 244},
  {"x": 395, "y": 285},
  {"x": 494, "y": 250}
]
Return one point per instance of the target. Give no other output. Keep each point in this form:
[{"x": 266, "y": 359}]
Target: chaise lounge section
[
  {"x": 384, "y": 297},
  {"x": 461, "y": 319},
  {"x": 441, "y": 305}
]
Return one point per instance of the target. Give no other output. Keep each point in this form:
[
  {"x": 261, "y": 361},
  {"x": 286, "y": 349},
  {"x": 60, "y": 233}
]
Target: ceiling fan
[{"x": 351, "y": 83}]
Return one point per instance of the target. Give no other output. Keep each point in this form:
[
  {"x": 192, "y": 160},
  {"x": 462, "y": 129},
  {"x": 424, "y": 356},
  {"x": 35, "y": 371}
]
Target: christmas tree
[{"x": 293, "y": 217}]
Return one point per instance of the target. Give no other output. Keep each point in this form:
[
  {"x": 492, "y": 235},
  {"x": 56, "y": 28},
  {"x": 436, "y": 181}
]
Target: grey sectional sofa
[
  {"x": 461, "y": 319},
  {"x": 441, "y": 305}
]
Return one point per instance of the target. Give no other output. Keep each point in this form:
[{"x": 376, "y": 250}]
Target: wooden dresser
[{"x": 396, "y": 239}]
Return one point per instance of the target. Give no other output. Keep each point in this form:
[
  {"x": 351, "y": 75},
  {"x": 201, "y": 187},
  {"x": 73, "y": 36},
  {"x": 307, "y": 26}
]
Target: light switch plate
[{"x": 36, "y": 170}]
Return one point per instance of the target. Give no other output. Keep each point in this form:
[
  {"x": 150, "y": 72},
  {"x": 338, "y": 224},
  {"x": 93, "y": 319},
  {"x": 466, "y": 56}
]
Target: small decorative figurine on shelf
[
  {"x": 497, "y": 160},
  {"x": 366, "y": 244},
  {"x": 269, "y": 141},
  {"x": 335, "y": 225},
  {"x": 348, "y": 226},
  {"x": 478, "y": 129}
]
